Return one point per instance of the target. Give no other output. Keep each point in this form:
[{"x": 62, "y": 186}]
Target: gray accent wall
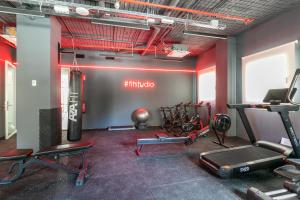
[
  {"x": 280, "y": 30},
  {"x": 108, "y": 103},
  {"x": 2, "y": 100},
  {"x": 231, "y": 83},
  {"x": 37, "y": 53}
]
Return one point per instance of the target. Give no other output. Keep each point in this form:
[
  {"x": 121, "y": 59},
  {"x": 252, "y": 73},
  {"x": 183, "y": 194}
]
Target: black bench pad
[
  {"x": 16, "y": 154},
  {"x": 65, "y": 148}
]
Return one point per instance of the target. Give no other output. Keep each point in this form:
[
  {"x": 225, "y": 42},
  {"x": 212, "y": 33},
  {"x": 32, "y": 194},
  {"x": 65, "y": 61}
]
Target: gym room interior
[{"x": 149, "y": 99}]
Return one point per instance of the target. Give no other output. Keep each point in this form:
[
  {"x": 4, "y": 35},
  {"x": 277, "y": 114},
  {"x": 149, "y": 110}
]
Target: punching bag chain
[{"x": 74, "y": 55}]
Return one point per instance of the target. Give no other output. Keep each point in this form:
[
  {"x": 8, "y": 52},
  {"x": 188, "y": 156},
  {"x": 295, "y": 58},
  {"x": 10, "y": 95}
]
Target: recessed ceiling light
[
  {"x": 82, "y": 11},
  {"x": 136, "y": 24},
  {"x": 61, "y": 9},
  {"x": 209, "y": 35},
  {"x": 151, "y": 20},
  {"x": 167, "y": 21}
]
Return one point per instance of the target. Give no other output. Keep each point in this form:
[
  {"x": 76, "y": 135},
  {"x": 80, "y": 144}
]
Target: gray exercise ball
[{"x": 140, "y": 116}]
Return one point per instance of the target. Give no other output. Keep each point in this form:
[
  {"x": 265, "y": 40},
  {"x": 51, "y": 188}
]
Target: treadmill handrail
[
  {"x": 287, "y": 151},
  {"x": 282, "y": 108},
  {"x": 285, "y": 118},
  {"x": 292, "y": 85},
  {"x": 265, "y": 106},
  {"x": 241, "y": 110},
  {"x": 232, "y": 106}
]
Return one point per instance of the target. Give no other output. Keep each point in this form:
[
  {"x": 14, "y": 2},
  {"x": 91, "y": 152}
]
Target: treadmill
[{"x": 260, "y": 154}]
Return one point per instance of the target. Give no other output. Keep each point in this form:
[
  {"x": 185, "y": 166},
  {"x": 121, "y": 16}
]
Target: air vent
[
  {"x": 80, "y": 56},
  {"x": 178, "y": 51},
  {"x": 109, "y": 57}
]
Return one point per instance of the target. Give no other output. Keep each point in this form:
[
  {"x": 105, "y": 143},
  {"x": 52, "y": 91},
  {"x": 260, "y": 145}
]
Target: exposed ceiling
[{"x": 85, "y": 35}]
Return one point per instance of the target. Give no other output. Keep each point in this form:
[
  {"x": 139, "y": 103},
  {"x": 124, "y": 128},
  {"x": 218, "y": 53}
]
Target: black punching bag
[{"x": 75, "y": 106}]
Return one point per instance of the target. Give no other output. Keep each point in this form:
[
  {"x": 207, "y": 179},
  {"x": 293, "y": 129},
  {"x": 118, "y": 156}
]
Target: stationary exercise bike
[
  {"x": 166, "y": 118},
  {"x": 176, "y": 118},
  {"x": 195, "y": 123}
]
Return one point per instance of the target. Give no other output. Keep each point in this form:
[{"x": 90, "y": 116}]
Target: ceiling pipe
[
  {"x": 117, "y": 49},
  {"x": 196, "y": 12},
  {"x": 168, "y": 13},
  {"x": 83, "y": 47},
  {"x": 128, "y": 13},
  {"x": 173, "y": 3},
  {"x": 82, "y": 36},
  {"x": 151, "y": 40}
]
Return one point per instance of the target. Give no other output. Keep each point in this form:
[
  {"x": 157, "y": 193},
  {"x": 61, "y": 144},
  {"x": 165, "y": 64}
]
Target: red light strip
[
  {"x": 128, "y": 68},
  {"x": 125, "y": 68}
]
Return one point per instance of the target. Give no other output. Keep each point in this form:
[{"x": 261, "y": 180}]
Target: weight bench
[{"x": 49, "y": 157}]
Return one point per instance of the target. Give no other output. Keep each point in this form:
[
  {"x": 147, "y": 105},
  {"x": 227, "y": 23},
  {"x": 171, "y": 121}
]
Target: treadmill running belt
[{"x": 237, "y": 156}]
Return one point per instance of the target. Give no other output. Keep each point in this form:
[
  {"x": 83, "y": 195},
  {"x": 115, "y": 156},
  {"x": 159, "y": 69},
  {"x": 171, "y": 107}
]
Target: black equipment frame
[
  {"x": 162, "y": 138},
  {"x": 48, "y": 159},
  {"x": 243, "y": 167},
  {"x": 221, "y": 139}
]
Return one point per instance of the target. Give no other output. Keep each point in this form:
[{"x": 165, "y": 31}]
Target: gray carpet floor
[{"x": 162, "y": 172}]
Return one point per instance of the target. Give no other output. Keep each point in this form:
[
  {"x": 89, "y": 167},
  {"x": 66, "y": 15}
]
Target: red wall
[
  {"x": 207, "y": 59},
  {"x": 217, "y": 56},
  {"x": 221, "y": 76},
  {"x": 5, "y": 52}
]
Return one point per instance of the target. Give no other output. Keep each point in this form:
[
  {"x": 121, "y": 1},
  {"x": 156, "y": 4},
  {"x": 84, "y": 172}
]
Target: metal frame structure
[
  {"x": 24, "y": 158},
  {"x": 98, "y": 9},
  {"x": 213, "y": 17},
  {"x": 162, "y": 138},
  {"x": 278, "y": 158}
]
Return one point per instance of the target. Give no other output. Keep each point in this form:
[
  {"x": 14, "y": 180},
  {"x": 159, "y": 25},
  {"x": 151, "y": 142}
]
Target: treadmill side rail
[
  {"x": 230, "y": 170},
  {"x": 287, "y": 151},
  {"x": 233, "y": 106},
  {"x": 282, "y": 108},
  {"x": 222, "y": 150}
]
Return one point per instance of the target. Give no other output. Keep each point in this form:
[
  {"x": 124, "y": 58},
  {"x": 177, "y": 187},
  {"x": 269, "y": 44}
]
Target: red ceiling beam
[{"x": 196, "y": 12}]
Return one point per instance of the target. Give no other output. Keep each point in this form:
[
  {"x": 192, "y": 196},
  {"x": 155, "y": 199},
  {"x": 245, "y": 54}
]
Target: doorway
[{"x": 10, "y": 100}]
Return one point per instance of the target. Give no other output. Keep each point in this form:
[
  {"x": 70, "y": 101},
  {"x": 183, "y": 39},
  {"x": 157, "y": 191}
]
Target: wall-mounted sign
[{"x": 139, "y": 84}]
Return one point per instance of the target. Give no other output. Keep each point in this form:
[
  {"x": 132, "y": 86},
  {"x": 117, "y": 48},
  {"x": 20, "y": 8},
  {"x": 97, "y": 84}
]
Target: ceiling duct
[
  {"x": 151, "y": 40},
  {"x": 121, "y": 22},
  {"x": 173, "y": 3},
  {"x": 208, "y": 25},
  {"x": 179, "y": 51},
  {"x": 99, "y": 9},
  {"x": 17, "y": 11},
  {"x": 200, "y": 34}
]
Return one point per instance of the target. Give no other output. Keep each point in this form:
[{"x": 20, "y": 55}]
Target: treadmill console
[{"x": 277, "y": 96}]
